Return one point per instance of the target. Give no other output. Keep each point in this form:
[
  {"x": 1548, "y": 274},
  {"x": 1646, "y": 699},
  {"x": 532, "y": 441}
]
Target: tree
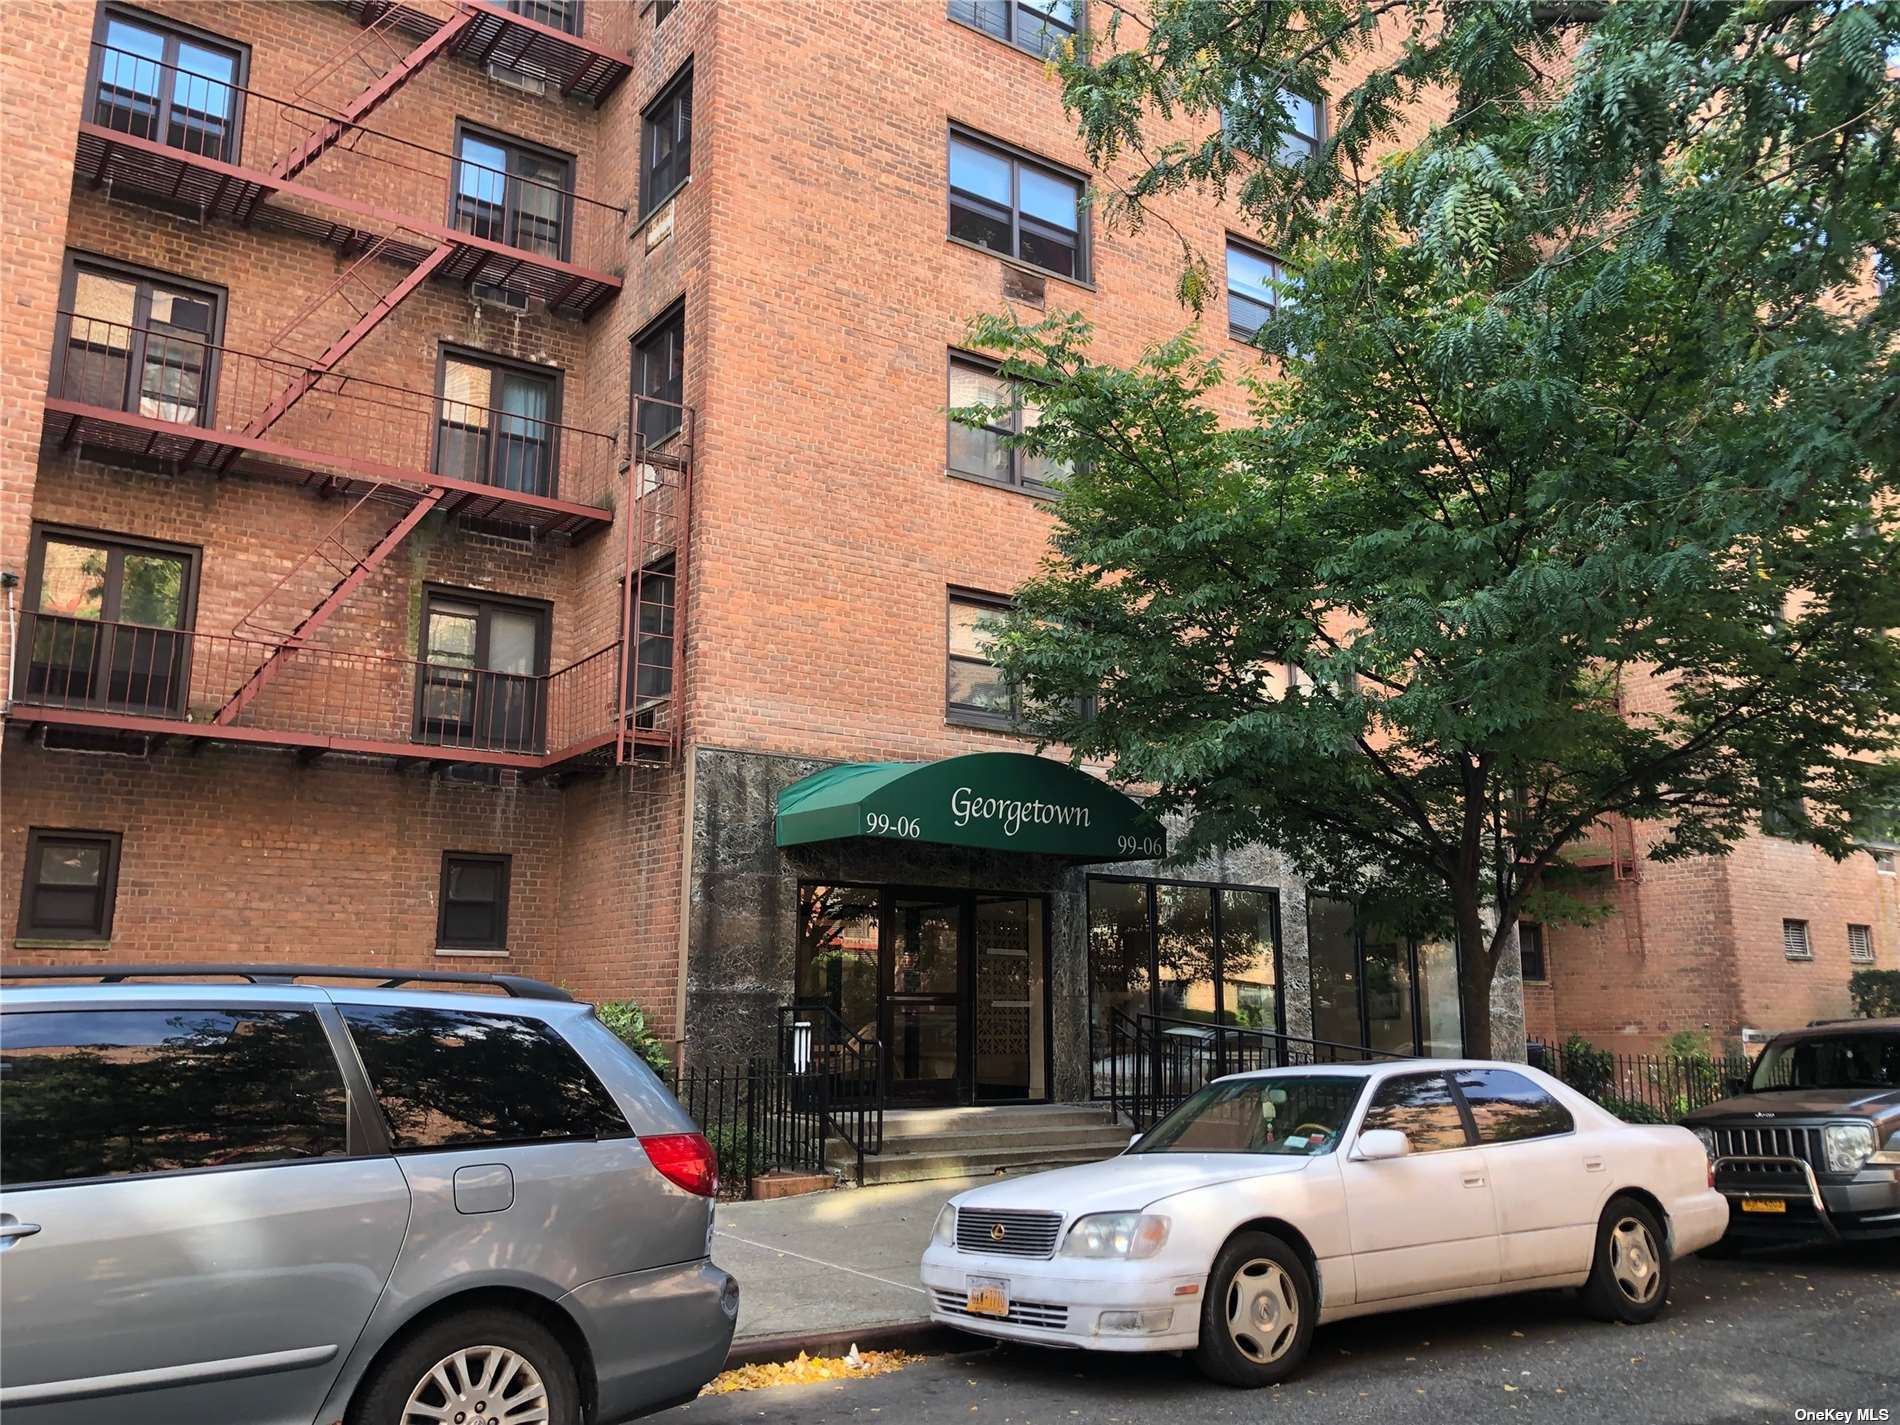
[{"x": 1569, "y": 489}]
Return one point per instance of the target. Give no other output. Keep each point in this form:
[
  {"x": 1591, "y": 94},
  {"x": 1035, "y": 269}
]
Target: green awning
[{"x": 1000, "y": 801}]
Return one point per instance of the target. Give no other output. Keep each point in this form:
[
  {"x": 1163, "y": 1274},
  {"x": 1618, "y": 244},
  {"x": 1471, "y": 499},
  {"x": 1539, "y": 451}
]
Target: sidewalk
[{"x": 831, "y": 1262}]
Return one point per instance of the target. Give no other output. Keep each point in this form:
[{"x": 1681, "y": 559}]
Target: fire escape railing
[
  {"x": 228, "y": 151},
  {"x": 176, "y": 680},
  {"x": 173, "y": 396}
]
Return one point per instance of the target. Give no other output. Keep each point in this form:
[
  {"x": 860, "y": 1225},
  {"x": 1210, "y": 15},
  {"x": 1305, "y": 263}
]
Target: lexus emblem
[{"x": 998, "y": 1232}]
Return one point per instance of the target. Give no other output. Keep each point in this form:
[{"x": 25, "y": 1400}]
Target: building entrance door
[{"x": 922, "y": 964}]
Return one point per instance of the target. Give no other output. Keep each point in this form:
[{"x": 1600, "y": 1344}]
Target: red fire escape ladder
[
  {"x": 353, "y": 576},
  {"x": 372, "y": 98}
]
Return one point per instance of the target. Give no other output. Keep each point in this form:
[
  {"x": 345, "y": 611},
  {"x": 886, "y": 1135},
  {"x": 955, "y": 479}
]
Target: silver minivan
[{"x": 227, "y": 1196}]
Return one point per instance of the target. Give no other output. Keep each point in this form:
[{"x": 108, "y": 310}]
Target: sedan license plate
[
  {"x": 1764, "y": 1204},
  {"x": 987, "y": 1297}
]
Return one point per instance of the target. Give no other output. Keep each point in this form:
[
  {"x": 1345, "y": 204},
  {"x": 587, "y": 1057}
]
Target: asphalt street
[{"x": 1752, "y": 1340}]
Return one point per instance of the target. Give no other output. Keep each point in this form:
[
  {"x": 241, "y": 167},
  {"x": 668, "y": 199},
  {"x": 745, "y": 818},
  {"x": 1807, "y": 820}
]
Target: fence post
[{"x": 751, "y": 1120}]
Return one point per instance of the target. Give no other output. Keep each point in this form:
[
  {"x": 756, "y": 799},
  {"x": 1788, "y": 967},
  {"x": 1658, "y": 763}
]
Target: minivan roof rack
[{"x": 516, "y": 986}]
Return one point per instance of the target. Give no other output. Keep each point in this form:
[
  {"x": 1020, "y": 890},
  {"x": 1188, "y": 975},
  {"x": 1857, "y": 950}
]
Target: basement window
[
  {"x": 473, "y": 905},
  {"x": 72, "y": 880}
]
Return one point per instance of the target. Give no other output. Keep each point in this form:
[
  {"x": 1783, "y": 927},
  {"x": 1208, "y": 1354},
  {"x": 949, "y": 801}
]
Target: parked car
[
  {"x": 1273, "y": 1202},
  {"x": 1809, "y": 1149},
  {"x": 267, "y": 1201}
]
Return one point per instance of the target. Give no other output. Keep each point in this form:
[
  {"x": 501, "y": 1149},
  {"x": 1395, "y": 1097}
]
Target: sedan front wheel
[{"x": 1257, "y": 1314}]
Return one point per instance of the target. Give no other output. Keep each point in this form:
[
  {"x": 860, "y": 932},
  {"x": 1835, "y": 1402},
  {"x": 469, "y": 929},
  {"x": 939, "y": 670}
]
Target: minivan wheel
[
  {"x": 484, "y": 1367},
  {"x": 1629, "y": 1278},
  {"x": 1257, "y": 1314}
]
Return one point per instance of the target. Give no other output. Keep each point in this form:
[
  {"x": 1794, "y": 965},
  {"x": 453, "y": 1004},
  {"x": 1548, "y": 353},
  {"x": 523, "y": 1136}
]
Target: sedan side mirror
[
  {"x": 1377, "y": 1143},
  {"x": 1133, "y": 1138}
]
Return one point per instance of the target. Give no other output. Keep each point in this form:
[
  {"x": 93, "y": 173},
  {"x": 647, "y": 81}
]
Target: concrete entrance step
[
  {"x": 980, "y": 1162},
  {"x": 922, "y": 1144}
]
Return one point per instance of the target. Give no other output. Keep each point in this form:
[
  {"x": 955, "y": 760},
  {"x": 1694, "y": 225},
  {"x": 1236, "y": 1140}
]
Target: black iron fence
[
  {"x": 1643, "y": 1088},
  {"x": 1154, "y": 1061}
]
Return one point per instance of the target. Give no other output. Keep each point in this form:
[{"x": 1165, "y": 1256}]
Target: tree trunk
[{"x": 1476, "y": 970}]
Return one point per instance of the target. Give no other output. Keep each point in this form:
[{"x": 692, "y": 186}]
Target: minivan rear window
[
  {"x": 462, "y": 1078},
  {"x": 111, "y": 1093}
]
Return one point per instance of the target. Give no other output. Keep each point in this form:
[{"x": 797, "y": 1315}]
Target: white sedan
[{"x": 1273, "y": 1202}]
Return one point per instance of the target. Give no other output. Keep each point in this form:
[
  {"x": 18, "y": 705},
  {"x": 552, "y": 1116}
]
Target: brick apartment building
[{"x": 479, "y": 490}]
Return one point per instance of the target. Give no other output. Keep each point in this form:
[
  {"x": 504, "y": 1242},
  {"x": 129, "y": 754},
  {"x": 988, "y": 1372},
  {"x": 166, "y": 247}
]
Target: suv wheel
[
  {"x": 485, "y": 1367},
  {"x": 1257, "y": 1314},
  {"x": 1629, "y": 1279}
]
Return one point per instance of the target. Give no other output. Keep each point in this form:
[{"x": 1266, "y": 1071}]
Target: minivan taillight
[{"x": 686, "y": 1160}]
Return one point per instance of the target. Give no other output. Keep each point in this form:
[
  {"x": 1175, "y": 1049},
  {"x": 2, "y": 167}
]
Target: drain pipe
[{"x": 10, "y": 582}]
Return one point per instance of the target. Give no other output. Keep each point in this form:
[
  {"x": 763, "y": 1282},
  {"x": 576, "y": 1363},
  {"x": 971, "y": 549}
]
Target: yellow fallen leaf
[{"x": 806, "y": 1370}]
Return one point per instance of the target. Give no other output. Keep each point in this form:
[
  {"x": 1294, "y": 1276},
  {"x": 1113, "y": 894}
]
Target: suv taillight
[{"x": 686, "y": 1160}]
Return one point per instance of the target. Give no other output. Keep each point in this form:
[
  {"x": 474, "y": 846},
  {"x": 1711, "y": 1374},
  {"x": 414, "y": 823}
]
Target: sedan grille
[
  {"x": 1006, "y": 1233},
  {"x": 1041, "y": 1314},
  {"x": 1768, "y": 1142}
]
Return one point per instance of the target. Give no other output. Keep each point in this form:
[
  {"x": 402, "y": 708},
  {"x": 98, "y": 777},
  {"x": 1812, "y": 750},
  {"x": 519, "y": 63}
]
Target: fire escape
[{"x": 621, "y": 699}]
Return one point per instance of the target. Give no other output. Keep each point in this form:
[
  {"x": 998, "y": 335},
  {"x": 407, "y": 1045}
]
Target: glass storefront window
[
  {"x": 1121, "y": 949},
  {"x": 837, "y": 952},
  {"x": 1333, "y": 964},
  {"x": 1184, "y": 918},
  {"x": 1249, "y": 969},
  {"x": 1388, "y": 994},
  {"x": 1441, "y": 1030}
]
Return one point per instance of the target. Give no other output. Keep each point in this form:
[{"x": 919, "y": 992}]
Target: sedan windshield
[
  {"x": 1836, "y": 1061},
  {"x": 1297, "y": 1114}
]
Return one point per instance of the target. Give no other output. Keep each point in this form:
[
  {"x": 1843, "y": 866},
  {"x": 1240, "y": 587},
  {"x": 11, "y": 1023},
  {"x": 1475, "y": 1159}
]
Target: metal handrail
[{"x": 849, "y": 1074}]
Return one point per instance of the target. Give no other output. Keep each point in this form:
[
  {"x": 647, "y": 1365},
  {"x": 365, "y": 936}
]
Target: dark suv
[{"x": 1809, "y": 1149}]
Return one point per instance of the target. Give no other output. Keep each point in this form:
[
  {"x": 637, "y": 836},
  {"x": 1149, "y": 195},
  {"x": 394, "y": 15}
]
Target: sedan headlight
[
  {"x": 1707, "y": 1135},
  {"x": 1847, "y": 1146},
  {"x": 944, "y": 1234},
  {"x": 1130, "y": 1235}
]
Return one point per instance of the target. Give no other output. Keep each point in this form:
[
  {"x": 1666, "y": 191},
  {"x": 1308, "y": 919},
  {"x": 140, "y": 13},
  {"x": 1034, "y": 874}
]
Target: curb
[{"x": 925, "y": 1338}]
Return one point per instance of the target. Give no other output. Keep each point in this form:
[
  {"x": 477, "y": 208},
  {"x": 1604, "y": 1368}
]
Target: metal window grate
[
  {"x": 1794, "y": 940},
  {"x": 1860, "y": 943},
  {"x": 1006, "y": 1233}
]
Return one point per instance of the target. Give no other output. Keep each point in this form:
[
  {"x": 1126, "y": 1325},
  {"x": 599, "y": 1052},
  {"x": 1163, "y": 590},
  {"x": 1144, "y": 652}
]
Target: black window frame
[
  {"x": 963, "y": 714},
  {"x": 511, "y": 210},
  {"x": 1018, "y": 159},
  {"x": 553, "y": 376},
  {"x": 172, "y": 32},
  {"x": 104, "y": 656},
  {"x": 666, "y": 110},
  {"x": 1235, "y": 329},
  {"x": 1019, "y": 459},
  {"x": 1309, "y": 143},
  {"x": 479, "y": 730},
  {"x": 1476, "y": 1129},
  {"x": 99, "y": 930},
  {"x": 660, "y": 10},
  {"x": 142, "y": 280},
  {"x": 654, "y": 432},
  {"x": 1528, "y": 956},
  {"x": 1011, "y": 12},
  {"x": 504, "y": 863}
]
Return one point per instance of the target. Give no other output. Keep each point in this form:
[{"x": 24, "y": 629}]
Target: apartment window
[
  {"x": 472, "y": 908},
  {"x": 483, "y": 680},
  {"x": 497, "y": 422},
  {"x": 1255, "y": 280},
  {"x": 666, "y": 141},
  {"x": 1784, "y": 811},
  {"x": 984, "y": 453},
  {"x": 169, "y": 83},
  {"x": 1530, "y": 944},
  {"x": 1794, "y": 940},
  {"x": 1300, "y": 140},
  {"x": 661, "y": 9},
  {"x": 562, "y": 15},
  {"x": 1039, "y": 26},
  {"x": 1860, "y": 944},
  {"x": 512, "y": 193},
  {"x": 651, "y": 669},
  {"x": 106, "y": 622},
  {"x": 132, "y": 340},
  {"x": 659, "y": 376},
  {"x": 1885, "y": 861},
  {"x": 72, "y": 879},
  {"x": 979, "y": 694},
  {"x": 1011, "y": 204}
]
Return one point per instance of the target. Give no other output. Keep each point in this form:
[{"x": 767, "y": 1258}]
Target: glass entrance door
[{"x": 923, "y": 964}]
